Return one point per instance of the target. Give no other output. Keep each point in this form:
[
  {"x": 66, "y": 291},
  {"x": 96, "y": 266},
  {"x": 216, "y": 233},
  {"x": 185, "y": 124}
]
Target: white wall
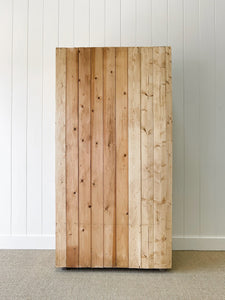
[{"x": 29, "y": 33}]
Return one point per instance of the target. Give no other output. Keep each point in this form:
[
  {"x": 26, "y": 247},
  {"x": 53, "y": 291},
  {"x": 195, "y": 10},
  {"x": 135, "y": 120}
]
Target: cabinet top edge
[{"x": 58, "y": 48}]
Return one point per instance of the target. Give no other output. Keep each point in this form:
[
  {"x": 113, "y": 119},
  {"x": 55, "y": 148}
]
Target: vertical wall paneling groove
[
  {"x": 191, "y": 121},
  {"x": 19, "y": 107},
  {"x": 97, "y": 168},
  {"x": 176, "y": 41},
  {"x": 34, "y": 123},
  {"x": 50, "y": 38},
  {"x": 121, "y": 159},
  {"x": 220, "y": 113},
  {"x": 60, "y": 179},
  {"x": 84, "y": 158},
  {"x": 134, "y": 157},
  {"x": 147, "y": 159},
  {"x": 6, "y": 36},
  {"x": 72, "y": 167},
  {"x": 109, "y": 158},
  {"x": 207, "y": 120}
]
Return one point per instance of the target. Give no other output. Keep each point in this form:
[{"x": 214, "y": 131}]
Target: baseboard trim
[
  {"x": 209, "y": 243},
  {"x": 48, "y": 242}
]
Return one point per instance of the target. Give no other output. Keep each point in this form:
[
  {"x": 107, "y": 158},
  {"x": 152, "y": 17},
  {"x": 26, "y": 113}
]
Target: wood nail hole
[
  {"x": 124, "y": 93},
  {"x": 82, "y": 180},
  {"x": 89, "y": 205},
  {"x": 125, "y": 155},
  {"x": 82, "y": 140},
  {"x": 74, "y": 129}
]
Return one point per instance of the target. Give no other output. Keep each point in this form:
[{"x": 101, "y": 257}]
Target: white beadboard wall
[{"x": 29, "y": 33}]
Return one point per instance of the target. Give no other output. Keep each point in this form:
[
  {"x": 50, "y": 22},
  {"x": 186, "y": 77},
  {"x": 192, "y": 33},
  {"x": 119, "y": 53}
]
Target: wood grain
[
  {"x": 134, "y": 138},
  {"x": 121, "y": 158},
  {"x": 84, "y": 158},
  {"x": 60, "y": 156},
  {"x": 72, "y": 128},
  {"x": 97, "y": 156},
  {"x": 109, "y": 158},
  {"x": 147, "y": 159}
]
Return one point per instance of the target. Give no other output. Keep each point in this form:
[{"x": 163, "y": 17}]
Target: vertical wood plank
[
  {"x": 84, "y": 159},
  {"x": 60, "y": 179},
  {"x": 169, "y": 149},
  {"x": 97, "y": 155},
  {"x": 72, "y": 127},
  {"x": 134, "y": 147},
  {"x": 160, "y": 158},
  {"x": 147, "y": 159},
  {"x": 109, "y": 158},
  {"x": 121, "y": 159}
]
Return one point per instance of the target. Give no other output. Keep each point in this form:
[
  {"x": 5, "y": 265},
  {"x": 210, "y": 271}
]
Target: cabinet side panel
[{"x": 160, "y": 159}]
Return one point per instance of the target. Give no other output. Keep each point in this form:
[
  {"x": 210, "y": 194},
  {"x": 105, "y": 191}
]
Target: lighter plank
[
  {"x": 134, "y": 146},
  {"x": 147, "y": 159}
]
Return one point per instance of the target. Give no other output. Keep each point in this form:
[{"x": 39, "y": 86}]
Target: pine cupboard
[{"x": 114, "y": 157}]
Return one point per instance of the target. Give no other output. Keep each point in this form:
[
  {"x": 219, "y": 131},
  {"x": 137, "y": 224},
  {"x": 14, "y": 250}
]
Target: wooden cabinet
[{"x": 113, "y": 157}]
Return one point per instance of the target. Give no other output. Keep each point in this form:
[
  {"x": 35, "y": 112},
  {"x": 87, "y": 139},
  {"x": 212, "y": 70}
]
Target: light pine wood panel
[
  {"x": 84, "y": 158},
  {"x": 134, "y": 138},
  {"x": 118, "y": 157},
  {"x": 97, "y": 156},
  {"x": 121, "y": 158},
  {"x": 147, "y": 159},
  {"x": 72, "y": 158},
  {"x": 60, "y": 156},
  {"x": 109, "y": 158}
]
